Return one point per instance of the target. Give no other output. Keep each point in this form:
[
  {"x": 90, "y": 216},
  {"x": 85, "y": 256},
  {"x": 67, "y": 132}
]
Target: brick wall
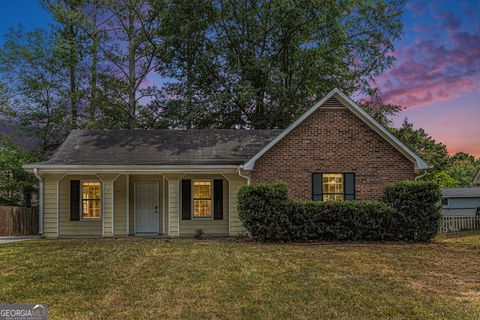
[{"x": 333, "y": 140}]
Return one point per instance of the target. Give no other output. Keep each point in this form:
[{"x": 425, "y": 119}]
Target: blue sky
[{"x": 436, "y": 77}]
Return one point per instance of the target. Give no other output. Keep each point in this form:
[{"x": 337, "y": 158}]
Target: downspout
[
  {"x": 243, "y": 176},
  {"x": 40, "y": 200},
  {"x": 421, "y": 176}
]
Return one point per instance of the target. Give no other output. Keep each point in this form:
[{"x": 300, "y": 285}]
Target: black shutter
[
  {"x": 317, "y": 194},
  {"x": 218, "y": 199},
  {"x": 349, "y": 184},
  {"x": 186, "y": 199},
  {"x": 74, "y": 200}
]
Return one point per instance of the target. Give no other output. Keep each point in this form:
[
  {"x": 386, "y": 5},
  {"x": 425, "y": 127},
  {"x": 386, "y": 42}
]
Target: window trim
[
  {"x": 334, "y": 193},
  {"x": 193, "y": 198},
  {"x": 343, "y": 173},
  {"x": 448, "y": 202},
  {"x": 81, "y": 201}
]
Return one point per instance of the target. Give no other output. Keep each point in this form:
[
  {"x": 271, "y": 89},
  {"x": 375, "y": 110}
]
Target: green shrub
[
  {"x": 411, "y": 212},
  {"x": 268, "y": 215},
  {"x": 418, "y": 210},
  {"x": 343, "y": 220},
  {"x": 263, "y": 210}
]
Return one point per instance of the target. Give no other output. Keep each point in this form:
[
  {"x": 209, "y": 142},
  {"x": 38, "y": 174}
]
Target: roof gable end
[
  {"x": 360, "y": 113},
  {"x": 477, "y": 178}
]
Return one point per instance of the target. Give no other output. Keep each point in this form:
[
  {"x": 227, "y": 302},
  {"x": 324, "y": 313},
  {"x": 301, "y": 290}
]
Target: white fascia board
[
  {"x": 359, "y": 112},
  {"x": 45, "y": 168}
]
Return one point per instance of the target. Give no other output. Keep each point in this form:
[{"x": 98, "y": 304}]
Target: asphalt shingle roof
[
  {"x": 461, "y": 192},
  {"x": 161, "y": 147}
]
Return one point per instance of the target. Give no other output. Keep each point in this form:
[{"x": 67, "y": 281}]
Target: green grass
[{"x": 215, "y": 279}]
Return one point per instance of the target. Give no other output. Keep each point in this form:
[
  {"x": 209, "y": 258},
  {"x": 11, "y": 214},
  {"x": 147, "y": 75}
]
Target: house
[
  {"x": 173, "y": 182},
  {"x": 460, "y": 201}
]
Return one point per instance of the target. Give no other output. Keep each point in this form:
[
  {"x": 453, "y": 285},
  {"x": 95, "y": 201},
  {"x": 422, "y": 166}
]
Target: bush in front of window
[
  {"x": 418, "y": 210},
  {"x": 341, "y": 221},
  {"x": 268, "y": 215}
]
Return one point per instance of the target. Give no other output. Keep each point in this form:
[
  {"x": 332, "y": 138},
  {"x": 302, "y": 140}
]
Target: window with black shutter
[{"x": 333, "y": 186}]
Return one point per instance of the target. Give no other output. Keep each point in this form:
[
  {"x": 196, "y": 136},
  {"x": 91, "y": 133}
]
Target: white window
[
  {"x": 202, "y": 199},
  {"x": 91, "y": 199},
  {"x": 332, "y": 186}
]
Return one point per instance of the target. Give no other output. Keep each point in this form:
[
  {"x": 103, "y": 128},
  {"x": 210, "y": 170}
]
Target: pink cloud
[
  {"x": 430, "y": 71},
  {"x": 446, "y": 124}
]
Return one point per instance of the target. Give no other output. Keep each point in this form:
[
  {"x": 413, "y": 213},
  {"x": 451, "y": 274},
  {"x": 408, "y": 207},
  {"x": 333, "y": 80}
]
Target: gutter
[
  {"x": 40, "y": 200},
  {"x": 139, "y": 169},
  {"x": 243, "y": 176},
  {"x": 421, "y": 176}
]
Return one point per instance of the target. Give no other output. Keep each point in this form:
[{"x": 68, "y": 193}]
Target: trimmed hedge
[
  {"x": 263, "y": 209},
  {"x": 268, "y": 215},
  {"x": 418, "y": 209}
]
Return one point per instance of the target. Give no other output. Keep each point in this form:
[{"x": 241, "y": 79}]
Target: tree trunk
[
  {"x": 131, "y": 68},
  {"x": 73, "y": 86},
  {"x": 93, "y": 79}
]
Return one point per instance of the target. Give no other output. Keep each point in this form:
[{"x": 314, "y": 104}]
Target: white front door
[{"x": 146, "y": 207}]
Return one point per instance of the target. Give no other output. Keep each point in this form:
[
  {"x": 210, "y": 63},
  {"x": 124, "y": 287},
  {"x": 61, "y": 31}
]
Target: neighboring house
[
  {"x": 476, "y": 180},
  {"x": 460, "y": 201},
  {"x": 173, "y": 182}
]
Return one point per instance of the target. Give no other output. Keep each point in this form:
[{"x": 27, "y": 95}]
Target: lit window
[
  {"x": 332, "y": 186},
  {"x": 202, "y": 199},
  {"x": 91, "y": 200}
]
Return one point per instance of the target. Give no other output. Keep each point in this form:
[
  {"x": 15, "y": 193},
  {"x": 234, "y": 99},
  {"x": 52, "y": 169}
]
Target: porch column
[
  {"x": 235, "y": 182},
  {"x": 107, "y": 203},
  {"x": 173, "y": 224}
]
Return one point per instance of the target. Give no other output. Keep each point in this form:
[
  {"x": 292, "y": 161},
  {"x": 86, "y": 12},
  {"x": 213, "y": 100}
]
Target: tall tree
[
  {"x": 378, "y": 109},
  {"x": 33, "y": 84},
  {"x": 130, "y": 47},
  {"x": 92, "y": 27},
  {"x": 16, "y": 184},
  {"x": 260, "y": 64},
  {"x": 70, "y": 47},
  {"x": 434, "y": 153}
]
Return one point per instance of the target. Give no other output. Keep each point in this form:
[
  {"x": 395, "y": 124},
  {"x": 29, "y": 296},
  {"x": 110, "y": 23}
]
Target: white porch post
[
  {"x": 108, "y": 206},
  {"x": 173, "y": 182},
  {"x": 58, "y": 205}
]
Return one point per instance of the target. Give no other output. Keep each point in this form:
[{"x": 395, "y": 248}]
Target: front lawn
[{"x": 215, "y": 279}]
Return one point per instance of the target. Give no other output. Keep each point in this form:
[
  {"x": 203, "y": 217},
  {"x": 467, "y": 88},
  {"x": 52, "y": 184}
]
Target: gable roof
[
  {"x": 158, "y": 147},
  {"x": 461, "y": 192},
  {"x": 360, "y": 113},
  {"x": 476, "y": 180}
]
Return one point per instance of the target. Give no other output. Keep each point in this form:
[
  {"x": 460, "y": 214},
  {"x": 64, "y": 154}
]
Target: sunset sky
[{"x": 436, "y": 76}]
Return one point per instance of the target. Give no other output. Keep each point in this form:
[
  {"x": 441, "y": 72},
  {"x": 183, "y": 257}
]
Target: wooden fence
[
  {"x": 452, "y": 223},
  {"x": 18, "y": 221}
]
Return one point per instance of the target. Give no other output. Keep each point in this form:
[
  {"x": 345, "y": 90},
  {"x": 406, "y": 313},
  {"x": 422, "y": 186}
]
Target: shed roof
[{"x": 461, "y": 192}]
